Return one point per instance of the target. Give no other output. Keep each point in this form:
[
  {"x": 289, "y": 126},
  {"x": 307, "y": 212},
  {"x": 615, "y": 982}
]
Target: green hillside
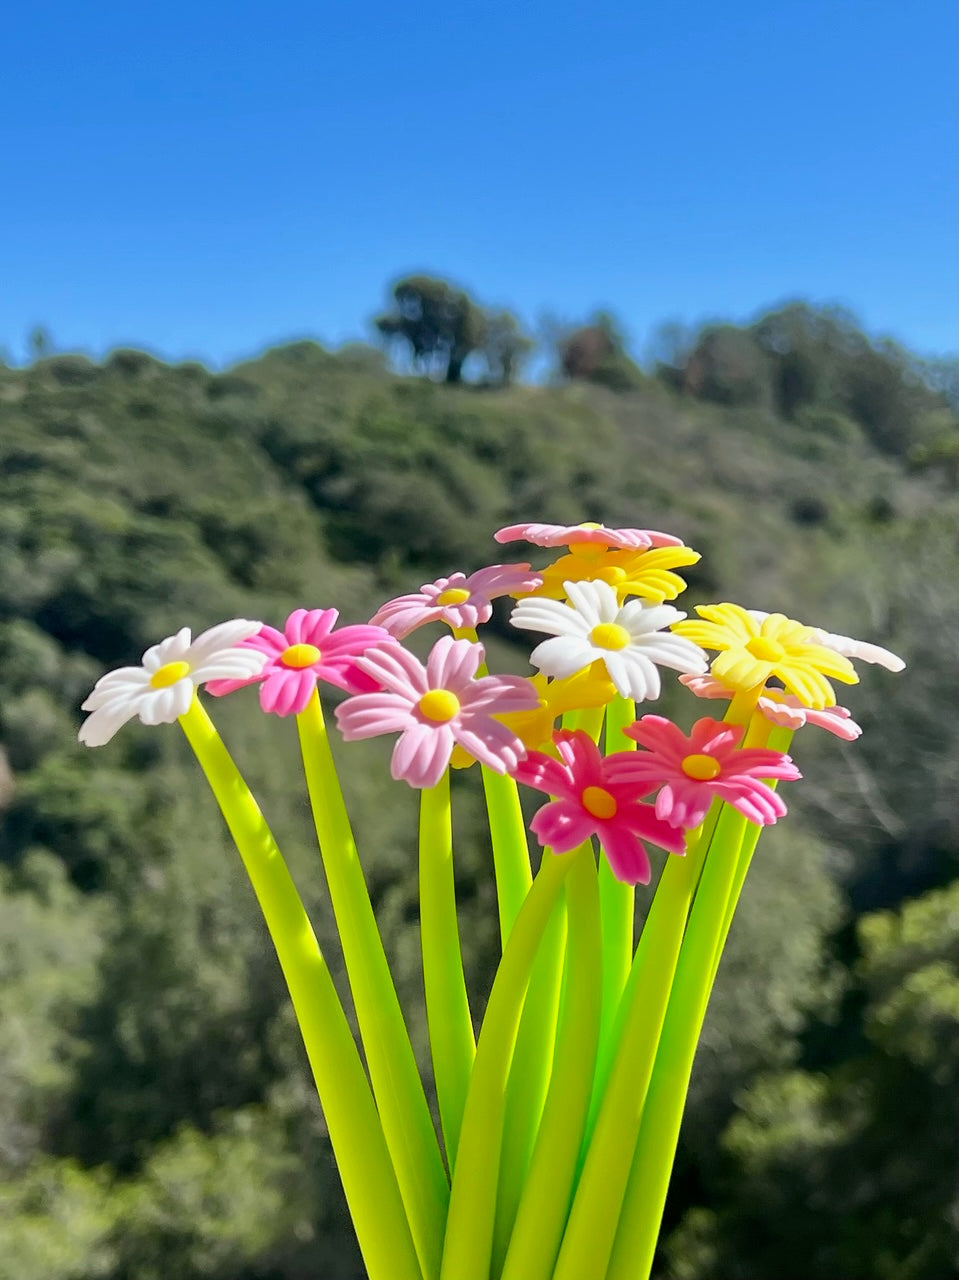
[{"x": 156, "y": 1116}]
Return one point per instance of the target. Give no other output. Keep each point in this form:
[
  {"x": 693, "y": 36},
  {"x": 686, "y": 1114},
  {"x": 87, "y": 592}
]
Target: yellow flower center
[
  {"x": 439, "y": 705},
  {"x": 598, "y": 802},
  {"x": 300, "y": 655},
  {"x": 609, "y": 635},
  {"x": 591, "y": 550},
  {"x": 452, "y": 595},
  {"x": 702, "y": 768},
  {"x": 765, "y": 650},
  {"x": 169, "y": 674}
]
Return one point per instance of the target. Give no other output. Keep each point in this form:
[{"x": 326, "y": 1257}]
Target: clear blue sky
[{"x": 205, "y": 179}]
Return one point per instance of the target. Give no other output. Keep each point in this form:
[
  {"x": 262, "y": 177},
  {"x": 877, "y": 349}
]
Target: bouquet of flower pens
[{"x": 559, "y": 1110}]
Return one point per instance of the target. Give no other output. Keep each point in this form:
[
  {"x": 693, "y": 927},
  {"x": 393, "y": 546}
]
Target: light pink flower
[
  {"x": 563, "y": 535},
  {"x": 781, "y": 708},
  {"x": 307, "y": 650},
  {"x": 593, "y": 797},
  {"x": 461, "y": 600},
  {"x": 437, "y": 707},
  {"x": 691, "y": 770}
]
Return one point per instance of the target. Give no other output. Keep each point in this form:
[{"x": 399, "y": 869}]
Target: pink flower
[
  {"x": 692, "y": 770},
  {"x": 307, "y": 650},
  {"x": 782, "y": 708},
  {"x": 460, "y": 600},
  {"x": 563, "y": 535},
  {"x": 437, "y": 707},
  {"x": 593, "y": 797}
]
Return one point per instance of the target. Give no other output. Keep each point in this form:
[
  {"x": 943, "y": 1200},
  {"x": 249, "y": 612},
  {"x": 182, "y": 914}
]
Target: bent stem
[
  {"x": 467, "y": 1248},
  {"x": 447, "y": 1005},
  {"x": 356, "y": 1134},
  {"x": 398, "y": 1089}
]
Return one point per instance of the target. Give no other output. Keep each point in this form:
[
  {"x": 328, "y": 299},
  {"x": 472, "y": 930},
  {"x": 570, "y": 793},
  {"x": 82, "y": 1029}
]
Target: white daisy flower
[
  {"x": 628, "y": 639},
  {"x": 161, "y": 689},
  {"x": 850, "y": 648}
]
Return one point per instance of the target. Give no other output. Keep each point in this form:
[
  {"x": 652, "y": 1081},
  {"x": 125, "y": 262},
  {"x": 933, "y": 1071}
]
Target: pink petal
[
  {"x": 220, "y": 687},
  {"x": 395, "y": 669},
  {"x": 490, "y": 742},
  {"x": 500, "y": 694},
  {"x": 370, "y": 714},
  {"x": 626, "y": 855},
  {"x": 562, "y": 825},
  {"x": 544, "y": 774},
  {"x": 421, "y": 754},
  {"x": 310, "y": 626},
  {"x": 452, "y": 663},
  {"x": 287, "y": 692}
]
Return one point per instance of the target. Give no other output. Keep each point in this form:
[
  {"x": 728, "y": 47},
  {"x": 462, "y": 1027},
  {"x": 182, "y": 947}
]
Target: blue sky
[{"x": 207, "y": 179}]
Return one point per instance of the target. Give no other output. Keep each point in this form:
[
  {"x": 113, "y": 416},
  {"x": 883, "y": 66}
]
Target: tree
[
  {"x": 441, "y": 323},
  {"x": 596, "y": 352},
  {"x": 506, "y": 347}
]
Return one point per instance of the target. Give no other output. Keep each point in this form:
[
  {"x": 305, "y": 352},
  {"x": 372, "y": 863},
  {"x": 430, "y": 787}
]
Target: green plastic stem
[
  {"x": 508, "y": 837},
  {"x": 356, "y": 1134},
  {"x": 645, "y": 1197},
  {"x": 529, "y": 1076},
  {"x": 467, "y": 1249},
  {"x": 447, "y": 1005},
  {"x": 544, "y": 1205},
  {"x": 618, "y": 1101},
  {"x": 617, "y": 901},
  {"x": 397, "y": 1087}
]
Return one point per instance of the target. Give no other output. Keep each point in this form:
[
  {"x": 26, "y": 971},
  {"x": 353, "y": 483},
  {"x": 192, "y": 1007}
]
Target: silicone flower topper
[
  {"x": 305, "y": 651},
  {"x": 591, "y": 687},
  {"x": 461, "y": 600},
  {"x": 629, "y": 573},
  {"x": 161, "y": 689},
  {"x": 435, "y": 708},
  {"x": 581, "y": 535},
  {"x": 754, "y": 649},
  {"x": 783, "y": 709},
  {"x": 593, "y": 796},
  {"x": 627, "y": 639},
  {"x": 691, "y": 770}
]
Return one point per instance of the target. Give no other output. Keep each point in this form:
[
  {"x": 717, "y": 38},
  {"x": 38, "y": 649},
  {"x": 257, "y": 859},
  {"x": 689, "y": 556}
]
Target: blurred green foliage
[{"x": 156, "y": 1116}]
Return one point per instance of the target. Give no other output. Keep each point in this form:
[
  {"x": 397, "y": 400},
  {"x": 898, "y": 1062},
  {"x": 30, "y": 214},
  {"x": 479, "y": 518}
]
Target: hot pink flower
[
  {"x": 692, "y": 770},
  {"x": 782, "y": 708},
  {"x": 460, "y": 600},
  {"x": 563, "y": 535},
  {"x": 437, "y": 707},
  {"x": 593, "y": 797},
  {"x": 307, "y": 650}
]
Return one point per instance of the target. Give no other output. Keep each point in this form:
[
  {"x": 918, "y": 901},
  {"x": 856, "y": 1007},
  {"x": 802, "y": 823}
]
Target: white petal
[
  {"x": 563, "y": 656},
  {"x": 596, "y": 601},
  {"x": 232, "y": 664},
  {"x": 549, "y": 616},
  {"x": 172, "y": 649},
  {"x": 222, "y": 637},
  {"x": 672, "y": 651},
  {"x": 163, "y": 706},
  {"x": 861, "y": 649},
  {"x": 640, "y": 676},
  {"x": 101, "y": 726},
  {"x": 126, "y": 682},
  {"x": 640, "y": 619}
]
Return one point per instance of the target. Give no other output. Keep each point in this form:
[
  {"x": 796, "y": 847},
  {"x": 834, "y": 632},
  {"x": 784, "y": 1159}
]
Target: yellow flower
[
  {"x": 629, "y": 573},
  {"x": 590, "y": 687},
  {"x": 753, "y": 650}
]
